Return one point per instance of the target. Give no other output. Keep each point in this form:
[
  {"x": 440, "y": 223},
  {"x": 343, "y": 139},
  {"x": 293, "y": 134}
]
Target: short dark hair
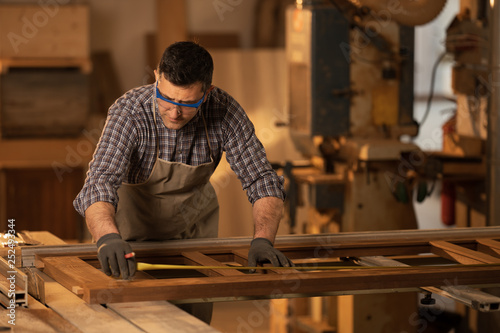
[{"x": 185, "y": 63}]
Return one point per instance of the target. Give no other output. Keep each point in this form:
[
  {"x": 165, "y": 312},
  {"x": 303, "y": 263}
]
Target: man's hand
[
  {"x": 111, "y": 251},
  {"x": 262, "y": 250}
]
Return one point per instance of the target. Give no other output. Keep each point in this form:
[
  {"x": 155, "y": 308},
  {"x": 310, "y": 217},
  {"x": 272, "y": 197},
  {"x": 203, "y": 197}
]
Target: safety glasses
[{"x": 163, "y": 98}]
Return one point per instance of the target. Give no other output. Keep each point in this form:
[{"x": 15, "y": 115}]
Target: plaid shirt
[{"x": 126, "y": 151}]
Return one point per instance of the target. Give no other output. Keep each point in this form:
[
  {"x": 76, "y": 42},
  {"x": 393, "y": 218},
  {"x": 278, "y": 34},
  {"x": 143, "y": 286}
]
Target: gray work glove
[
  {"x": 111, "y": 251},
  {"x": 262, "y": 250}
]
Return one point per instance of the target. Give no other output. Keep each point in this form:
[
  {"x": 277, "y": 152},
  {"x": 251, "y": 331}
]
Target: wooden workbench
[
  {"x": 60, "y": 310},
  {"x": 72, "y": 288}
]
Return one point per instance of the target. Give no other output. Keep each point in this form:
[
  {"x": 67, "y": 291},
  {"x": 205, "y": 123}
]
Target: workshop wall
[
  {"x": 257, "y": 79},
  {"x": 222, "y": 17},
  {"x": 120, "y": 27}
]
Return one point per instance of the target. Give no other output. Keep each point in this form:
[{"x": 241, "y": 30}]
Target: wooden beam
[
  {"x": 171, "y": 24},
  {"x": 35, "y": 304},
  {"x": 42, "y": 237},
  {"x": 241, "y": 256},
  {"x": 197, "y": 258},
  {"x": 276, "y": 286},
  {"x": 84, "y": 64},
  {"x": 74, "y": 273},
  {"x": 38, "y": 320},
  {"x": 67, "y": 153},
  {"x": 83, "y": 278},
  {"x": 489, "y": 246},
  {"x": 36, "y": 286},
  {"x": 86, "y": 317},
  {"x": 126, "y": 317},
  {"x": 461, "y": 254},
  {"x": 160, "y": 316}
]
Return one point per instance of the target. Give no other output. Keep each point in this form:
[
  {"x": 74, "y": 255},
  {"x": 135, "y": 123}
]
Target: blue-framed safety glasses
[{"x": 194, "y": 105}]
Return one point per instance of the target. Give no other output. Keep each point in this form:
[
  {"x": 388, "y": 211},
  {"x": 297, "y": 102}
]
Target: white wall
[{"x": 429, "y": 44}]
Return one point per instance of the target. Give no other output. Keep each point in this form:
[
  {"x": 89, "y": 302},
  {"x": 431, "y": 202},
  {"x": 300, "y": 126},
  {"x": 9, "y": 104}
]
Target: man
[{"x": 149, "y": 177}]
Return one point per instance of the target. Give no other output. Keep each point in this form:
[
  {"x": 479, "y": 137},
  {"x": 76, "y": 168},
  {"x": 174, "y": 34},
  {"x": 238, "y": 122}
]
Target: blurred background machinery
[
  {"x": 351, "y": 70},
  {"x": 351, "y": 99}
]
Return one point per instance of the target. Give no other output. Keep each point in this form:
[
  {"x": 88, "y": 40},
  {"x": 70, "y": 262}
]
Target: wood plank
[
  {"x": 61, "y": 32},
  {"x": 43, "y": 237},
  {"x": 241, "y": 256},
  {"x": 74, "y": 273},
  {"x": 489, "y": 246},
  {"x": 263, "y": 285},
  {"x": 38, "y": 321},
  {"x": 171, "y": 24},
  {"x": 461, "y": 254},
  {"x": 21, "y": 296},
  {"x": 34, "y": 303},
  {"x": 78, "y": 275},
  {"x": 36, "y": 287},
  {"x": 58, "y": 103},
  {"x": 160, "y": 316},
  {"x": 490, "y": 242},
  {"x": 83, "y": 64},
  {"x": 197, "y": 258},
  {"x": 47, "y": 152},
  {"x": 20, "y": 281},
  {"x": 89, "y": 318},
  {"x": 151, "y": 316}
]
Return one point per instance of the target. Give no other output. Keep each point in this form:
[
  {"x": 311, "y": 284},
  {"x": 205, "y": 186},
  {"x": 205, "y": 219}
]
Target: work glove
[
  {"x": 262, "y": 250},
  {"x": 111, "y": 251}
]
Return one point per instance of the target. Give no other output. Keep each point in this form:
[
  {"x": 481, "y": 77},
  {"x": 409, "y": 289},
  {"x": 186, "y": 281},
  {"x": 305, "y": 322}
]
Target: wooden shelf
[
  {"x": 84, "y": 64},
  {"x": 29, "y": 153},
  {"x": 39, "y": 178}
]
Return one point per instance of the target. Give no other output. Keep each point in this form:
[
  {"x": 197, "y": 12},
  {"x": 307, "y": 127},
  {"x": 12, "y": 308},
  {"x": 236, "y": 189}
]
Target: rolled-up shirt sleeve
[
  {"x": 247, "y": 157},
  {"x": 109, "y": 164}
]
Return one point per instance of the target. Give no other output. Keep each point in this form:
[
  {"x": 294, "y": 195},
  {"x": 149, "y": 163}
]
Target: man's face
[{"x": 175, "y": 116}]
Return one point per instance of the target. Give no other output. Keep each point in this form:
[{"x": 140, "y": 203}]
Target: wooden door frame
[{"x": 468, "y": 258}]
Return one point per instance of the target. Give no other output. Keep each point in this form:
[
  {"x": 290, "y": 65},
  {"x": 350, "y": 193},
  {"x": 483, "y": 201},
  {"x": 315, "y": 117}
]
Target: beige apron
[{"x": 177, "y": 201}]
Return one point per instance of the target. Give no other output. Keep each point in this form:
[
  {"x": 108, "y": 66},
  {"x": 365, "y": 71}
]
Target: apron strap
[
  {"x": 154, "y": 118},
  {"x": 208, "y": 139}
]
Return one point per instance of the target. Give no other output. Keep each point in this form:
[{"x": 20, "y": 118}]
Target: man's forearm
[
  {"x": 100, "y": 218},
  {"x": 267, "y": 213}
]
